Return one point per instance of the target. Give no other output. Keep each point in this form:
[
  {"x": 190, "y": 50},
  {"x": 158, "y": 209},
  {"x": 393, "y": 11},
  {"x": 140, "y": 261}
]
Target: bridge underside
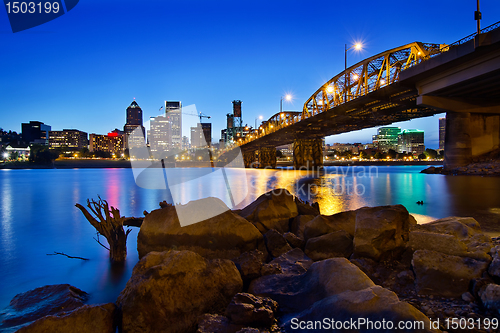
[{"x": 463, "y": 82}]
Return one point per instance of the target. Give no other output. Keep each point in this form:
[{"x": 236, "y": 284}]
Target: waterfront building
[
  {"x": 411, "y": 141},
  {"x": 71, "y": 139},
  {"x": 113, "y": 143},
  {"x": 160, "y": 136},
  {"x": 442, "y": 131},
  {"x": 35, "y": 132},
  {"x": 386, "y": 138},
  {"x": 134, "y": 120},
  {"x": 173, "y": 112}
]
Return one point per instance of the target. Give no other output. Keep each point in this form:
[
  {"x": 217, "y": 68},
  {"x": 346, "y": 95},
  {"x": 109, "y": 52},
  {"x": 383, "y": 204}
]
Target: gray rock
[
  {"x": 490, "y": 296},
  {"x": 250, "y": 310},
  {"x": 456, "y": 236},
  {"x": 270, "y": 269},
  {"x": 445, "y": 275},
  {"x": 272, "y": 210},
  {"x": 381, "y": 232},
  {"x": 467, "y": 297},
  {"x": 334, "y": 244},
  {"x": 295, "y": 293},
  {"x": 373, "y": 303},
  {"x": 250, "y": 264},
  {"x": 87, "y": 318},
  {"x": 48, "y": 300},
  {"x": 213, "y": 323},
  {"x": 170, "y": 290},
  {"x": 276, "y": 244},
  {"x": 293, "y": 262},
  {"x": 226, "y": 236}
]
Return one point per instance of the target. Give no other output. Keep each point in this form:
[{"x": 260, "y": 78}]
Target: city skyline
[{"x": 73, "y": 73}]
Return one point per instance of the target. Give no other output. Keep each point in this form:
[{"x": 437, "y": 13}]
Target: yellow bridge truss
[{"x": 368, "y": 75}]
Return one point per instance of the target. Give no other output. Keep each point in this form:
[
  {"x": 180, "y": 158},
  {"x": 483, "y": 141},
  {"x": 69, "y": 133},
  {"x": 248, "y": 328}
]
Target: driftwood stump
[{"x": 108, "y": 222}]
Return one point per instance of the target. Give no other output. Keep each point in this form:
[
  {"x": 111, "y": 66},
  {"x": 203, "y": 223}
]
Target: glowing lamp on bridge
[
  {"x": 382, "y": 81},
  {"x": 330, "y": 89},
  {"x": 320, "y": 102},
  {"x": 355, "y": 77}
]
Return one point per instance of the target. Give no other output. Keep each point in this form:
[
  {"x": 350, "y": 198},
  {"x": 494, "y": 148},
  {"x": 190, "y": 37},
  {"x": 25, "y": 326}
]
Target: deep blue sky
[{"x": 83, "y": 69}]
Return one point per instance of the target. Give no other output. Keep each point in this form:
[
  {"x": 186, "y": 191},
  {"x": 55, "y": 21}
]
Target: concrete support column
[
  {"x": 267, "y": 157},
  {"x": 308, "y": 153},
  {"x": 248, "y": 158},
  {"x": 469, "y": 135}
]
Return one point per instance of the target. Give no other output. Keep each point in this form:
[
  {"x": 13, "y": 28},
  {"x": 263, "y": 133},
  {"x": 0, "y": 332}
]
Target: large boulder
[
  {"x": 295, "y": 293},
  {"x": 87, "y": 318},
  {"x": 224, "y": 236},
  {"x": 335, "y": 244},
  {"x": 170, "y": 290},
  {"x": 381, "y": 232},
  {"x": 445, "y": 275},
  {"x": 458, "y": 236},
  {"x": 373, "y": 309},
  {"x": 48, "y": 300},
  {"x": 324, "y": 224},
  {"x": 272, "y": 210}
]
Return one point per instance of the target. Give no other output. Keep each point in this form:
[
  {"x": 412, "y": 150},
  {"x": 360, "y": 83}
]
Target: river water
[{"x": 39, "y": 217}]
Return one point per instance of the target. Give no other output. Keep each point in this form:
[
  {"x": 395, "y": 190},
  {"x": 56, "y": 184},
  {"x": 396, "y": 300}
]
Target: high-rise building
[
  {"x": 201, "y": 135},
  {"x": 442, "y": 131},
  {"x": 411, "y": 141},
  {"x": 173, "y": 112},
  {"x": 160, "y": 136},
  {"x": 387, "y": 138},
  {"x": 112, "y": 143},
  {"x": 71, "y": 139},
  {"x": 134, "y": 120},
  {"x": 35, "y": 132}
]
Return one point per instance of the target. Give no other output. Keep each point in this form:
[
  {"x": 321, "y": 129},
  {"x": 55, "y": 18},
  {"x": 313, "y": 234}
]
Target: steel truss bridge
[{"x": 368, "y": 94}]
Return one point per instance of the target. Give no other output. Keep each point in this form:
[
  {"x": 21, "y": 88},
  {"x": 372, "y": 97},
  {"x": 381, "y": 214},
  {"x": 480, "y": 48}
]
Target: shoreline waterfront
[{"x": 109, "y": 163}]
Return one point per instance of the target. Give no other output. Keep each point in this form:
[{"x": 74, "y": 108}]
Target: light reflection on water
[{"x": 38, "y": 215}]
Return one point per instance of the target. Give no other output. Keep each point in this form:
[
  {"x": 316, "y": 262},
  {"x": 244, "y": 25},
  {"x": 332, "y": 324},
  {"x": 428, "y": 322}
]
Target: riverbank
[{"x": 113, "y": 163}]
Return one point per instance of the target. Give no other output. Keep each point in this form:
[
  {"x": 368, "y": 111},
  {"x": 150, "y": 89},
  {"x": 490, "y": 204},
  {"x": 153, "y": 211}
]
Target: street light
[
  {"x": 358, "y": 47},
  {"x": 260, "y": 118},
  {"x": 288, "y": 97}
]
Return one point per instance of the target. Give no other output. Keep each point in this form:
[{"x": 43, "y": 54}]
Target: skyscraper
[
  {"x": 442, "y": 131},
  {"x": 160, "y": 136},
  {"x": 134, "y": 120},
  {"x": 173, "y": 112}
]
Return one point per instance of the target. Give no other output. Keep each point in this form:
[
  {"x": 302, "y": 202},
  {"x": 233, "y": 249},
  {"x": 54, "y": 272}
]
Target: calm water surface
[{"x": 38, "y": 215}]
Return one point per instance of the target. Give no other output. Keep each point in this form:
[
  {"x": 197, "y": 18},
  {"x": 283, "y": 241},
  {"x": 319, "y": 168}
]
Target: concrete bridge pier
[
  {"x": 307, "y": 153},
  {"x": 267, "y": 157},
  {"x": 469, "y": 135},
  {"x": 248, "y": 158}
]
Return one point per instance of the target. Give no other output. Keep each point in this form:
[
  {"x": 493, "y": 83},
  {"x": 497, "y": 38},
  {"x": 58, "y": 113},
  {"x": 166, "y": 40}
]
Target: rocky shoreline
[{"x": 278, "y": 265}]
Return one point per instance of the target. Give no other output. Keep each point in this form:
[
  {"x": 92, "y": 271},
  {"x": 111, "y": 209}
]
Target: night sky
[{"x": 84, "y": 68}]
